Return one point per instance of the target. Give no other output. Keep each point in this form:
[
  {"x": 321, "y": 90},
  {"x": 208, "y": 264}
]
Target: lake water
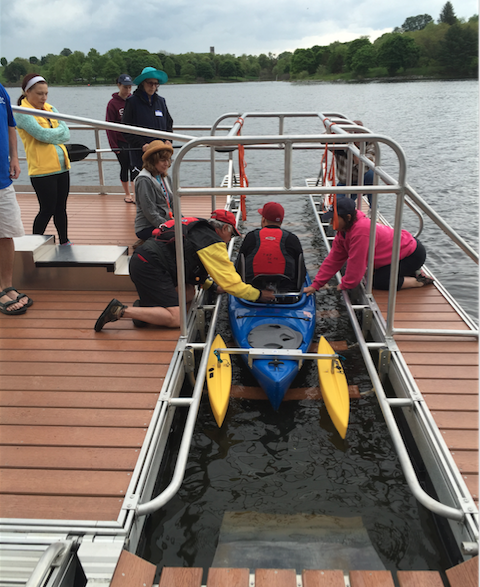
[
  {"x": 292, "y": 461},
  {"x": 436, "y": 123}
]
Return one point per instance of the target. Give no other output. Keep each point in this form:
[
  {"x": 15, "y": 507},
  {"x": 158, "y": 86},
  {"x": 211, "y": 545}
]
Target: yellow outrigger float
[
  {"x": 219, "y": 380},
  {"x": 334, "y": 388}
]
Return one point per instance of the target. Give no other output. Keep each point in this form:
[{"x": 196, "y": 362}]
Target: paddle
[{"x": 79, "y": 152}]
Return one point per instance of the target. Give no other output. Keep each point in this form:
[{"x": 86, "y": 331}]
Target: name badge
[{"x": 158, "y": 113}]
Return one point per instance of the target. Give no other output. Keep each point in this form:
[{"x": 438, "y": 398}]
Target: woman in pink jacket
[{"x": 351, "y": 245}]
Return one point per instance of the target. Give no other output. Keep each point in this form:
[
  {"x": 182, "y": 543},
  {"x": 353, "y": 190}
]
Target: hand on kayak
[
  {"x": 266, "y": 296},
  {"x": 309, "y": 290}
]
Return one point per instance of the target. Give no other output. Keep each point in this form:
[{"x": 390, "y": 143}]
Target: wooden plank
[
  {"x": 443, "y": 372},
  {"x": 21, "y": 383},
  {"x": 27, "y": 330},
  {"x": 419, "y": 579},
  {"x": 463, "y": 386},
  {"x": 313, "y": 578},
  {"x": 454, "y": 402},
  {"x": 471, "y": 481},
  {"x": 85, "y": 399},
  {"x": 51, "y": 368},
  {"x": 132, "y": 571},
  {"x": 461, "y": 439},
  {"x": 371, "y": 579},
  {"x": 456, "y": 420},
  {"x": 71, "y": 436},
  {"x": 227, "y": 577},
  {"x": 134, "y": 347},
  {"x": 57, "y": 482},
  {"x": 466, "y": 461},
  {"x": 438, "y": 346},
  {"x": 53, "y": 482},
  {"x": 75, "y": 417},
  {"x": 124, "y": 361},
  {"x": 464, "y": 574},
  {"x": 275, "y": 578},
  {"x": 181, "y": 577},
  {"x": 87, "y": 458},
  {"x": 60, "y": 507},
  {"x": 439, "y": 358}
]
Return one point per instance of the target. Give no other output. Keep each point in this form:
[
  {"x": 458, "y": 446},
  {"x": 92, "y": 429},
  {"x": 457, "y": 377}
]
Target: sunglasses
[{"x": 152, "y": 84}]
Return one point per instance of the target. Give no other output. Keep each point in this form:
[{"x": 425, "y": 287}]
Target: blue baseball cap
[{"x": 344, "y": 206}]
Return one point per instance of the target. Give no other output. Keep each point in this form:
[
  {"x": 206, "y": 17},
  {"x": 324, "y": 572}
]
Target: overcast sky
[{"x": 32, "y": 27}]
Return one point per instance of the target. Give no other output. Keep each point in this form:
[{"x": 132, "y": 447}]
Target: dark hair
[
  {"x": 150, "y": 163},
  {"x": 351, "y": 222},
  {"x": 25, "y": 81}
]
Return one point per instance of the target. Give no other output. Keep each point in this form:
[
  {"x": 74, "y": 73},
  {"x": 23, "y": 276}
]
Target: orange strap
[{"x": 243, "y": 176}]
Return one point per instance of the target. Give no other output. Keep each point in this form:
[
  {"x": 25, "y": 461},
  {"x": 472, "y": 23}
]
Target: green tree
[
  {"x": 364, "y": 59},
  {"x": 111, "y": 70},
  {"x": 205, "y": 69},
  {"x": 398, "y": 51},
  {"x": 353, "y": 47},
  {"x": 33, "y": 60},
  {"x": 303, "y": 60},
  {"x": 3, "y": 62},
  {"x": 65, "y": 52},
  {"x": 336, "y": 59},
  {"x": 169, "y": 67},
  {"x": 227, "y": 68},
  {"x": 15, "y": 70},
  {"x": 58, "y": 69},
  {"x": 459, "y": 50},
  {"x": 428, "y": 41},
  {"x": 416, "y": 23},
  {"x": 189, "y": 71},
  {"x": 87, "y": 71},
  {"x": 448, "y": 14}
]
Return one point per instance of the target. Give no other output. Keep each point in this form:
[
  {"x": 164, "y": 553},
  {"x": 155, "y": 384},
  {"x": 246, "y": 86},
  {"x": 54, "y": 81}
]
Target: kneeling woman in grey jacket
[{"x": 153, "y": 193}]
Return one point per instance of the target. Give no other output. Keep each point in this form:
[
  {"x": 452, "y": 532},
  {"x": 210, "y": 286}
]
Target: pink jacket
[{"x": 352, "y": 246}]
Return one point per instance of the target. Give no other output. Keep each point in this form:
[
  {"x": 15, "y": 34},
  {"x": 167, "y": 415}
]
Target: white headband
[{"x": 34, "y": 81}]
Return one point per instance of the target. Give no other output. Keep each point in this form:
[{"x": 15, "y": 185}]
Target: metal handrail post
[
  {"x": 288, "y": 165},
  {"x": 99, "y": 161},
  {"x": 177, "y": 207},
  {"x": 397, "y": 235}
]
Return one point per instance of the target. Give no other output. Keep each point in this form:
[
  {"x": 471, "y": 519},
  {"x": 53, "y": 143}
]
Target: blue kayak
[{"x": 286, "y": 325}]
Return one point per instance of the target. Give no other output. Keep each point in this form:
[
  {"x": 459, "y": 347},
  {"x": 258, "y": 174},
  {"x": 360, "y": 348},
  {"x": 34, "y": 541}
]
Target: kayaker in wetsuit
[
  {"x": 351, "y": 245},
  {"x": 153, "y": 270},
  {"x": 271, "y": 249},
  {"x": 146, "y": 108}
]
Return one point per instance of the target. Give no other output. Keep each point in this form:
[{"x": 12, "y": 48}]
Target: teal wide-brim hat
[{"x": 149, "y": 72}]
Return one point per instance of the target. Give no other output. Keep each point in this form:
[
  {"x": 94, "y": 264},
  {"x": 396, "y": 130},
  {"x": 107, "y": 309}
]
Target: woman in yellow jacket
[{"x": 47, "y": 158}]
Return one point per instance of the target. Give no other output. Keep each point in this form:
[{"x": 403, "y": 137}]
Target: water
[
  {"x": 292, "y": 461},
  {"x": 436, "y": 123}
]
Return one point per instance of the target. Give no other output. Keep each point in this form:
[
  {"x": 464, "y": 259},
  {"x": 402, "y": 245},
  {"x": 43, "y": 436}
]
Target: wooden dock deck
[
  {"x": 75, "y": 404},
  {"x": 445, "y": 370}
]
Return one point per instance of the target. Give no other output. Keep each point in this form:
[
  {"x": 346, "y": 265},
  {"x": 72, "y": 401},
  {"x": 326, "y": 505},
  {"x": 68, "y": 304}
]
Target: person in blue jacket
[{"x": 146, "y": 108}]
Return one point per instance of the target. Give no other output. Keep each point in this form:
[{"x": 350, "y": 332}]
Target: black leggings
[
  {"x": 124, "y": 160},
  {"x": 406, "y": 268},
  {"x": 52, "y": 194}
]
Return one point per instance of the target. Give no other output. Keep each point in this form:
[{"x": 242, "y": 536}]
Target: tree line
[{"x": 420, "y": 46}]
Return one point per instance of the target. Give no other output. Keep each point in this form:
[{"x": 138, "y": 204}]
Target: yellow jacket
[{"x": 39, "y": 136}]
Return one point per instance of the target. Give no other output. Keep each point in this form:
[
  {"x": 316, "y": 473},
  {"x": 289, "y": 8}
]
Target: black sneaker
[
  {"x": 138, "y": 323},
  {"x": 425, "y": 279},
  {"x": 113, "y": 312}
]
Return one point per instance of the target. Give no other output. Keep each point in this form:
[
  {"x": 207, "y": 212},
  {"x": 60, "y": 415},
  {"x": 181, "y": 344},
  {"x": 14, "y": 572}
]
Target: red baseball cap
[
  {"x": 272, "y": 211},
  {"x": 227, "y": 217}
]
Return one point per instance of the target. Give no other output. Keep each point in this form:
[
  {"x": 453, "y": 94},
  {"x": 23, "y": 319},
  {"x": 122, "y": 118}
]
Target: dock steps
[
  {"x": 241, "y": 577},
  {"x": 39, "y": 262}
]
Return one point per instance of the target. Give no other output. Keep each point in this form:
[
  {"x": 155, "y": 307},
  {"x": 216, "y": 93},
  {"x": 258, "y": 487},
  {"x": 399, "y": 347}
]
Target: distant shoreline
[{"x": 386, "y": 79}]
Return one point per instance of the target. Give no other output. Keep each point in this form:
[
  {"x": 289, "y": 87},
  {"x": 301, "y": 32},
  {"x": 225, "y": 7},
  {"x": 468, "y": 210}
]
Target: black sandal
[{"x": 19, "y": 297}]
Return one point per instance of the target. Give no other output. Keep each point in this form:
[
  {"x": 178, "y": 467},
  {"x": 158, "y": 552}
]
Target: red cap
[
  {"x": 227, "y": 217},
  {"x": 272, "y": 211}
]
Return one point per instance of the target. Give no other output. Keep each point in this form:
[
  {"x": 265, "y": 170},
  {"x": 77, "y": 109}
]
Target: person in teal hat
[{"x": 146, "y": 108}]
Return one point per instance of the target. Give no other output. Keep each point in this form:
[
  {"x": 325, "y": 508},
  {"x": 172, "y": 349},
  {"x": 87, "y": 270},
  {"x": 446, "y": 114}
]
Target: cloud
[{"x": 246, "y": 26}]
